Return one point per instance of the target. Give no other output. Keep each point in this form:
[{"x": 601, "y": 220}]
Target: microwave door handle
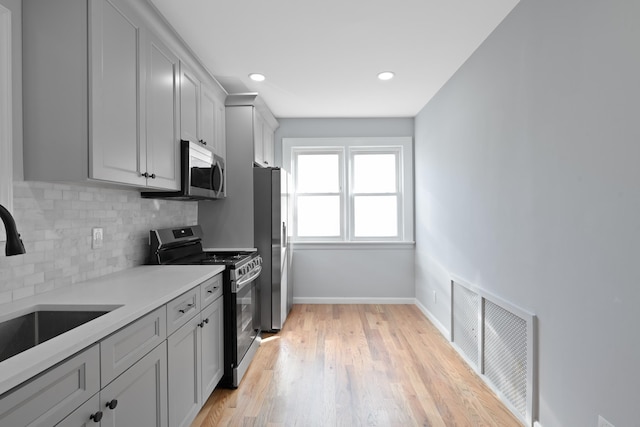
[{"x": 217, "y": 169}]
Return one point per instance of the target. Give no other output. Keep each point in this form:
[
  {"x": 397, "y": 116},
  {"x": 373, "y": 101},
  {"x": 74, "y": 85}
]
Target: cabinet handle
[
  {"x": 96, "y": 417},
  {"x": 203, "y": 142},
  {"x": 112, "y": 405},
  {"x": 185, "y": 310}
]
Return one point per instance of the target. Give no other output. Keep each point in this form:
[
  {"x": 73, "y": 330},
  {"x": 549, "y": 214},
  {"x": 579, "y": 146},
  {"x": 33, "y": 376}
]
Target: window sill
[{"x": 351, "y": 245}]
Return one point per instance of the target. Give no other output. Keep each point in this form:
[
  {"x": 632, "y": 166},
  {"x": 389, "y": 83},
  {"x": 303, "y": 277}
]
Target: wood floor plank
[{"x": 356, "y": 365}]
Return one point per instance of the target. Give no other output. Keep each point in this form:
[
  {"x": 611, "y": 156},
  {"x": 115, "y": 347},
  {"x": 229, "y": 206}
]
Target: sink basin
[{"x": 43, "y": 323}]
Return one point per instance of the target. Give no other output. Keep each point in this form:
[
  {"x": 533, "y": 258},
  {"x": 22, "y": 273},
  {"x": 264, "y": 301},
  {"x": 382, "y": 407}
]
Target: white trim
[
  {"x": 351, "y": 245},
  {"x": 353, "y": 300},
  {"x": 433, "y": 319},
  {"x": 405, "y": 146},
  {"x": 6, "y": 106}
]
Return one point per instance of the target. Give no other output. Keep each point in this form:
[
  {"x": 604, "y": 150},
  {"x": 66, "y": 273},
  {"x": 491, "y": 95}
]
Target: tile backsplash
[{"x": 55, "y": 222}]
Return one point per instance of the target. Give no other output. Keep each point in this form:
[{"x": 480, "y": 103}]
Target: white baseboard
[
  {"x": 352, "y": 300},
  {"x": 443, "y": 330}
]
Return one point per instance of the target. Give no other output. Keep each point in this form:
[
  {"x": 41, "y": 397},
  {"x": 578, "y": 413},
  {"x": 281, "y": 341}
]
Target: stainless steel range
[{"x": 183, "y": 246}]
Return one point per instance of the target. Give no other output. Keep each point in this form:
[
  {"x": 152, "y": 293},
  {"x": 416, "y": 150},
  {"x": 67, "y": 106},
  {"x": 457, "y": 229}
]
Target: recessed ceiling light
[
  {"x": 386, "y": 75},
  {"x": 257, "y": 77}
]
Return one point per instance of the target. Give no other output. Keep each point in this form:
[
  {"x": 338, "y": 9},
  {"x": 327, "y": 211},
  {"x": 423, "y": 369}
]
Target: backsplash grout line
[{"x": 55, "y": 222}]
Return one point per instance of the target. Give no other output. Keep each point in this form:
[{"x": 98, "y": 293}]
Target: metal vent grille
[
  {"x": 465, "y": 322},
  {"x": 498, "y": 340},
  {"x": 505, "y": 354}
]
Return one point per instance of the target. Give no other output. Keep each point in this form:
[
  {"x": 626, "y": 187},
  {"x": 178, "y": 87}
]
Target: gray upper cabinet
[
  {"x": 201, "y": 112},
  {"x": 212, "y": 129},
  {"x": 162, "y": 107},
  {"x": 97, "y": 106},
  {"x": 262, "y": 124},
  {"x": 117, "y": 151},
  {"x": 189, "y": 104}
]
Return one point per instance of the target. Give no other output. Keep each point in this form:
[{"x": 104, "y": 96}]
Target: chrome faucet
[{"x": 14, "y": 242}]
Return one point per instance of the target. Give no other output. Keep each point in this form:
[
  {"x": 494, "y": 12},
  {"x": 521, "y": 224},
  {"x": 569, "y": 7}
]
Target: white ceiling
[{"x": 321, "y": 58}]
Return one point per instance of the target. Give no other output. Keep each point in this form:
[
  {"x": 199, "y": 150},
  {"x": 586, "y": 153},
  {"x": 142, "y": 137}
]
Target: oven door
[{"x": 247, "y": 313}]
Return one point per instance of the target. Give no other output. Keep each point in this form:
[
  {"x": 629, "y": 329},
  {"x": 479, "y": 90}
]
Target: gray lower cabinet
[
  {"x": 138, "y": 397},
  {"x": 50, "y": 397},
  {"x": 195, "y": 353},
  {"x": 119, "y": 351},
  {"x": 87, "y": 415},
  {"x": 212, "y": 347},
  {"x": 135, "y": 376},
  {"x": 183, "y": 348}
]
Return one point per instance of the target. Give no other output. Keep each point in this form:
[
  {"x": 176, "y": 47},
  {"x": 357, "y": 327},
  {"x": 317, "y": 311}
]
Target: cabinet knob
[
  {"x": 206, "y": 320},
  {"x": 146, "y": 175},
  {"x": 112, "y": 405},
  {"x": 203, "y": 142},
  {"x": 201, "y": 324},
  {"x": 153, "y": 176},
  {"x": 96, "y": 417}
]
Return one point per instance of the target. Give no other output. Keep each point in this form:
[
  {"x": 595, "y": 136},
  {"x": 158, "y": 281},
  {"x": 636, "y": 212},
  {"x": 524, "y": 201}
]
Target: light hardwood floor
[{"x": 356, "y": 365}]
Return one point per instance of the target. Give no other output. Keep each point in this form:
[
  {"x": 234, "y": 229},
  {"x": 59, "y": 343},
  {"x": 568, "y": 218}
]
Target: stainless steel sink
[{"x": 43, "y": 323}]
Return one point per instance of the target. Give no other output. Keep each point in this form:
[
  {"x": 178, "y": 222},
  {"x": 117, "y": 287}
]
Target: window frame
[
  {"x": 351, "y": 209},
  {"x": 350, "y": 146},
  {"x": 295, "y": 152}
]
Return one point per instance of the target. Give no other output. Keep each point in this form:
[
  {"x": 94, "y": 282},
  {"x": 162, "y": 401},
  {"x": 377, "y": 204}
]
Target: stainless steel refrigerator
[{"x": 270, "y": 237}]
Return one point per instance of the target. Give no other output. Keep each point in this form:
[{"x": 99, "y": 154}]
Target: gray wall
[
  {"x": 528, "y": 185},
  {"x": 331, "y": 275},
  {"x": 325, "y": 128}
]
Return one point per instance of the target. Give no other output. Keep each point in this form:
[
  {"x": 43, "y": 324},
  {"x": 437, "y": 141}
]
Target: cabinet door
[
  {"x": 212, "y": 347},
  {"x": 267, "y": 145},
  {"x": 189, "y": 104},
  {"x": 162, "y": 133},
  {"x": 139, "y": 395},
  {"x": 115, "y": 94},
  {"x": 221, "y": 134},
  {"x": 85, "y": 416},
  {"x": 208, "y": 114},
  {"x": 183, "y": 349},
  {"x": 258, "y": 138}
]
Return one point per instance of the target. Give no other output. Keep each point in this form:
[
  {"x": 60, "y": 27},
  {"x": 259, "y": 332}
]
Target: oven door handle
[{"x": 255, "y": 273}]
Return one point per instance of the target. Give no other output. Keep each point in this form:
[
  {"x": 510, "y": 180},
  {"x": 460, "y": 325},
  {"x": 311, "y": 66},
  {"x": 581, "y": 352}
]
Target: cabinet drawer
[
  {"x": 211, "y": 290},
  {"x": 125, "y": 347},
  {"x": 47, "y": 399},
  {"x": 183, "y": 308}
]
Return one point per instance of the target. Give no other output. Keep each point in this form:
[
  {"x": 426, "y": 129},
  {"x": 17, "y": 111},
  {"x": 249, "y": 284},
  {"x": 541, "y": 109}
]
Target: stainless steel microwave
[{"x": 202, "y": 175}]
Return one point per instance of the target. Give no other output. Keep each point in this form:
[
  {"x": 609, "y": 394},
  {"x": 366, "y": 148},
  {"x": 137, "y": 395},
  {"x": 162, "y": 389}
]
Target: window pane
[
  {"x": 374, "y": 173},
  {"x": 375, "y": 216},
  {"x": 318, "y": 216},
  {"x": 318, "y": 173}
]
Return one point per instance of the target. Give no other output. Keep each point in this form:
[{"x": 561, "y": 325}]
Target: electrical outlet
[
  {"x": 603, "y": 423},
  {"x": 435, "y": 297},
  {"x": 97, "y": 237}
]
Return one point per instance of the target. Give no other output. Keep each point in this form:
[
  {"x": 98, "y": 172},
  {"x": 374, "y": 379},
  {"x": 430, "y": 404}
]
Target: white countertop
[{"x": 138, "y": 291}]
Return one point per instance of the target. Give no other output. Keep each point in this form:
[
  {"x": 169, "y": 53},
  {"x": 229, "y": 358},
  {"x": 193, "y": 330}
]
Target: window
[{"x": 351, "y": 189}]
